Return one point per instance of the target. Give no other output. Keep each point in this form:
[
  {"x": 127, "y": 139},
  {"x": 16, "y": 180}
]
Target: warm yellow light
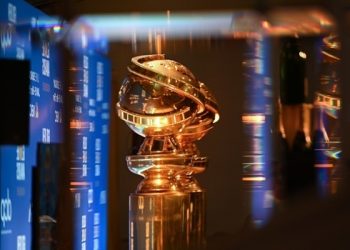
[
  {"x": 254, "y": 178},
  {"x": 324, "y": 165},
  {"x": 77, "y": 124},
  {"x": 302, "y": 54},
  {"x": 254, "y": 119},
  {"x": 79, "y": 183},
  {"x": 266, "y": 24},
  {"x": 216, "y": 118},
  {"x": 160, "y": 121}
]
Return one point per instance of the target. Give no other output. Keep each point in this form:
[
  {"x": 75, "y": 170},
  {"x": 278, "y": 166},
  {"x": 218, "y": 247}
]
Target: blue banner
[{"x": 27, "y": 33}]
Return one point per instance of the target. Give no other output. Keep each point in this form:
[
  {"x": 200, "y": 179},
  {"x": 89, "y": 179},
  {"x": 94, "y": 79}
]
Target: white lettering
[
  {"x": 97, "y": 144},
  {"x": 103, "y": 197},
  {"x": 45, "y": 67},
  {"x": 78, "y": 109},
  {"x": 84, "y": 170},
  {"x": 105, "y": 129},
  {"x": 20, "y": 171},
  {"x": 6, "y": 36},
  {"x": 92, "y": 102},
  {"x": 92, "y": 112},
  {"x": 99, "y": 95},
  {"x": 99, "y": 68},
  {"x": 78, "y": 98},
  {"x": 85, "y": 76},
  {"x": 57, "y": 84},
  {"x": 20, "y": 153},
  {"x": 20, "y": 53},
  {"x": 6, "y": 209},
  {"x": 97, "y": 157},
  {"x": 91, "y": 127},
  {"x": 35, "y": 91},
  {"x": 99, "y": 86},
  {"x": 96, "y": 230},
  {"x": 34, "y": 76},
  {"x": 77, "y": 200},
  {"x": 83, "y": 235},
  {"x": 12, "y": 13},
  {"x": 57, "y": 98},
  {"x": 85, "y": 90},
  {"x": 96, "y": 218},
  {"x": 21, "y": 242},
  {"x": 85, "y": 62},
  {"x": 83, "y": 232},
  {"x": 85, "y": 156},
  {"x": 83, "y": 221},
  {"x": 90, "y": 196},
  {"x": 34, "y": 110},
  {"x": 46, "y": 50},
  {"x": 46, "y": 135},
  {"x": 85, "y": 142},
  {"x": 96, "y": 241},
  {"x": 58, "y": 116},
  {"x": 97, "y": 169},
  {"x": 99, "y": 81}
]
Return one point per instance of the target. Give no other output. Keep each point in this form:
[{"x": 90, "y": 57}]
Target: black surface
[
  {"x": 46, "y": 184},
  {"x": 14, "y": 101},
  {"x": 292, "y": 73}
]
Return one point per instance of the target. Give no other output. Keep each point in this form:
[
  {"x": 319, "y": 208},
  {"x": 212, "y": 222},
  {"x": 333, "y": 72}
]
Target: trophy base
[{"x": 166, "y": 221}]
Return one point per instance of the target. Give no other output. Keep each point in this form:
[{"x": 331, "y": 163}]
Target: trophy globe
[{"x": 161, "y": 100}]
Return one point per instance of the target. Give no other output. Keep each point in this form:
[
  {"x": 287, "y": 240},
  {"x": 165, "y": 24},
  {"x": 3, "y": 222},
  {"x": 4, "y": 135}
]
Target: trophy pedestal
[
  {"x": 158, "y": 221},
  {"x": 165, "y": 221}
]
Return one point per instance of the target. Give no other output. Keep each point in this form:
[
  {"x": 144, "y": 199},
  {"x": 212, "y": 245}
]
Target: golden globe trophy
[{"x": 161, "y": 100}]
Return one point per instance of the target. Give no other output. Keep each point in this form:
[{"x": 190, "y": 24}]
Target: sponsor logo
[
  {"x": 6, "y": 209},
  {"x": 6, "y": 33}
]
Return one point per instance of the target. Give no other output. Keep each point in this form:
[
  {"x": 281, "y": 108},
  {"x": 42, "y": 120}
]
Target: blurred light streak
[
  {"x": 234, "y": 24},
  {"x": 256, "y": 122}
]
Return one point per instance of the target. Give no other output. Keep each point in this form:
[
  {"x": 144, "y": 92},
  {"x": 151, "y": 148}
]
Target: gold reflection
[
  {"x": 167, "y": 211},
  {"x": 300, "y": 21}
]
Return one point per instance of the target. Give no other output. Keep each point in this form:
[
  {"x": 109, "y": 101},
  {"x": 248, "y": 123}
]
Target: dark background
[{"x": 216, "y": 62}]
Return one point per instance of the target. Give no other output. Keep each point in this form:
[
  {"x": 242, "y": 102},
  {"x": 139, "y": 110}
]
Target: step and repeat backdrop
[{"x": 31, "y": 150}]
